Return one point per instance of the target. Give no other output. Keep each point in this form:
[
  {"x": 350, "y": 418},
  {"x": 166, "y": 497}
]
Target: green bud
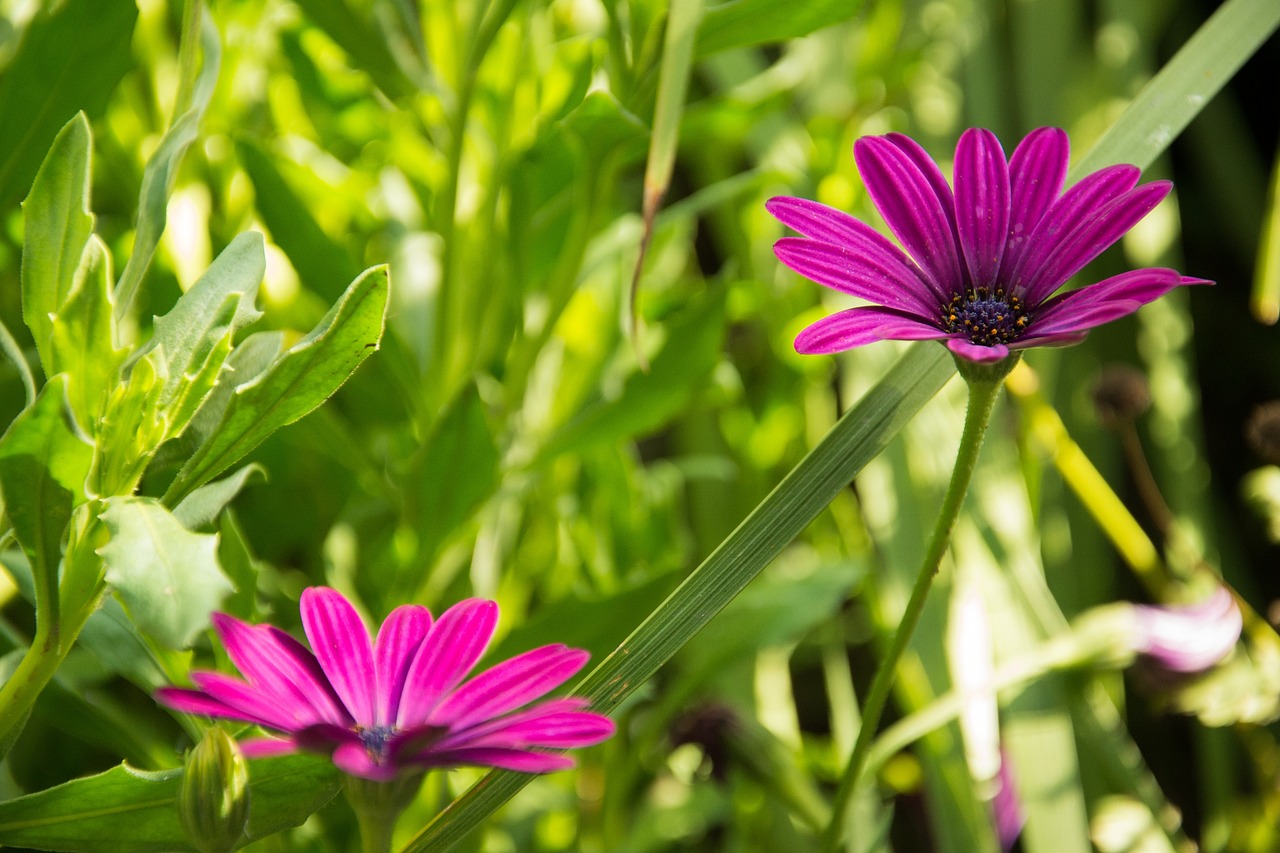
[{"x": 214, "y": 801}]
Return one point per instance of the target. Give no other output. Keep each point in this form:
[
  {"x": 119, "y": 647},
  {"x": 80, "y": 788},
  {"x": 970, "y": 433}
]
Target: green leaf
[
  {"x": 649, "y": 399},
  {"x": 741, "y": 23},
  {"x": 132, "y": 811},
  {"x": 162, "y": 169},
  {"x": 46, "y": 83},
  {"x": 323, "y": 266},
  {"x": 132, "y": 426},
  {"x": 364, "y": 44},
  {"x": 44, "y": 461},
  {"x": 247, "y": 361},
  {"x": 192, "y": 341},
  {"x": 202, "y": 506},
  {"x": 302, "y": 379},
  {"x": 81, "y": 344},
  {"x": 56, "y": 226},
  {"x": 167, "y": 576},
  {"x": 856, "y": 439}
]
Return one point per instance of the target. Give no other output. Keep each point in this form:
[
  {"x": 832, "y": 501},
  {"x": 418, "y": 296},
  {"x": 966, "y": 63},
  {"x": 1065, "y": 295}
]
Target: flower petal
[
  {"x": 1037, "y": 172},
  {"x": 353, "y": 759},
  {"x": 507, "y": 759},
  {"x": 341, "y": 644},
  {"x": 509, "y": 685},
  {"x": 877, "y": 277},
  {"x": 402, "y": 632},
  {"x": 1092, "y": 236},
  {"x": 266, "y": 747},
  {"x": 980, "y": 353},
  {"x": 855, "y": 327},
  {"x": 250, "y": 703},
  {"x": 909, "y": 200},
  {"x": 1103, "y": 302},
  {"x": 1078, "y": 204},
  {"x": 981, "y": 203},
  {"x": 196, "y": 702},
  {"x": 275, "y": 663},
  {"x": 451, "y": 649},
  {"x": 555, "y": 731}
]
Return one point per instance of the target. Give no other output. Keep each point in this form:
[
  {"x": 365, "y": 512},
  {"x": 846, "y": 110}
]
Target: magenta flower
[
  {"x": 1191, "y": 638},
  {"x": 399, "y": 702},
  {"x": 985, "y": 260}
]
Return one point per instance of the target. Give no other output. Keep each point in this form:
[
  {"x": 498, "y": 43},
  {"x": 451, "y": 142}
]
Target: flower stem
[
  {"x": 377, "y": 806},
  {"x": 983, "y": 391}
]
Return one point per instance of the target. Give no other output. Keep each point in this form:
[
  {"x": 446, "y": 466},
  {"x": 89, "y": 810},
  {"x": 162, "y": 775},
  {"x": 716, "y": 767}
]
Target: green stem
[
  {"x": 983, "y": 391},
  {"x": 188, "y": 48},
  {"x": 378, "y": 805}
]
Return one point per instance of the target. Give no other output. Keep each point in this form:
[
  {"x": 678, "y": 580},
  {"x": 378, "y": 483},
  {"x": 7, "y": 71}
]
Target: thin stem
[
  {"x": 982, "y": 397},
  {"x": 188, "y": 48}
]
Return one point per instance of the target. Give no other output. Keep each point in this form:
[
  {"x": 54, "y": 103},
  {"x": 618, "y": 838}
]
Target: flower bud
[{"x": 214, "y": 801}]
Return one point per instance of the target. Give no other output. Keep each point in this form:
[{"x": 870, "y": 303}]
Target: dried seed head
[
  {"x": 1262, "y": 431},
  {"x": 1120, "y": 395}
]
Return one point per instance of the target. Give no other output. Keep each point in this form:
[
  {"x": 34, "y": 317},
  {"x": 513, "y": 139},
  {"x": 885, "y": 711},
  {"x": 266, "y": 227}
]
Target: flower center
[
  {"x": 375, "y": 740},
  {"x": 986, "y": 318}
]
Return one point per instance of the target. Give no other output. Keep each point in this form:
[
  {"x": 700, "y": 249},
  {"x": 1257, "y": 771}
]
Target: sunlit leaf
[{"x": 81, "y": 343}]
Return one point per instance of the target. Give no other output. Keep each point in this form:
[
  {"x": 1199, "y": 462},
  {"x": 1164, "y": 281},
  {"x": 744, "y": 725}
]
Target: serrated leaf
[
  {"x": 81, "y": 342},
  {"x": 44, "y": 461},
  {"x": 131, "y": 811},
  {"x": 56, "y": 227},
  {"x": 302, "y": 379},
  {"x": 45, "y": 83},
  {"x": 202, "y": 506},
  {"x": 167, "y": 576},
  {"x": 162, "y": 169}
]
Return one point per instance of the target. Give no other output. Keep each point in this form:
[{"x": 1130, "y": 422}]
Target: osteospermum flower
[
  {"x": 985, "y": 259},
  {"x": 399, "y": 702}
]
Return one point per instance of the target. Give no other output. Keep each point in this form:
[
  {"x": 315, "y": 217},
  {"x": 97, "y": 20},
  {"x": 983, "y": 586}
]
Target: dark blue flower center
[
  {"x": 985, "y": 317},
  {"x": 375, "y": 740}
]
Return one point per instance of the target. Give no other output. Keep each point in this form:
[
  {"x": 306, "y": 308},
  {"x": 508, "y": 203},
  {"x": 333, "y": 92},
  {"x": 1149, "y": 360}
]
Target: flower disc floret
[
  {"x": 982, "y": 261},
  {"x": 400, "y": 702}
]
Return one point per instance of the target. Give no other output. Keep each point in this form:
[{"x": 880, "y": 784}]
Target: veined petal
[
  {"x": 980, "y": 353},
  {"x": 266, "y": 747},
  {"x": 854, "y": 327},
  {"x": 507, "y": 759},
  {"x": 453, "y": 646},
  {"x": 196, "y": 702},
  {"x": 457, "y": 737},
  {"x": 402, "y": 632},
  {"x": 910, "y": 204},
  {"x": 1037, "y": 172},
  {"x": 341, "y": 644},
  {"x": 555, "y": 731},
  {"x": 277, "y": 664},
  {"x": 509, "y": 685},
  {"x": 1105, "y": 301},
  {"x": 877, "y": 277},
  {"x": 1076, "y": 205},
  {"x": 1093, "y": 235},
  {"x": 982, "y": 203},
  {"x": 250, "y": 703}
]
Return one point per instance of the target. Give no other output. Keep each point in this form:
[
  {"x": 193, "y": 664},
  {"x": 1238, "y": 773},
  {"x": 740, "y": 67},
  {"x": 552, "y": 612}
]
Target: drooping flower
[
  {"x": 982, "y": 262},
  {"x": 1191, "y": 638},
  {"x": 399, "y": 702}
]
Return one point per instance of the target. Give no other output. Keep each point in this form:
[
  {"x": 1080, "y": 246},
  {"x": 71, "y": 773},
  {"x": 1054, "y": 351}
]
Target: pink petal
[
  {"x": 398, "y": 640},
  {"x": 266, "y": 747},
  {"x": 982, "y": 203},
  {"x": 980, "y": 353},
  {"x": 855, "y": 327},
  {"x": 509, "y": 685},
  {"x": 251, "y": 703},
  {"x": 451, "y": 649},
  {"x": 1037, "y": 171},
  {"x": 277, "y": 664},
  {"x": 876, "y": 277},
  {"x": 556, "y": 731},
  {"x": 1077, "y": 205},
  {"x": 508, "y": 759},
  {"x": 341, "y": 644},
  {"x": 1092, "y": 236},
  {"x": 1103, "y": 302},
  {"x": 195, "y": 702},
  {"x": 353, "y": 759},
  {"x": 910, "y": 203},
  {"x": 462, "y": 736}
]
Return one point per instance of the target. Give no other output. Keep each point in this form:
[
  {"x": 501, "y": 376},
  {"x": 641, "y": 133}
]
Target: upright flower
[
  {"x": 985, "y": 259},
  {"x": 399, "y": 702}
]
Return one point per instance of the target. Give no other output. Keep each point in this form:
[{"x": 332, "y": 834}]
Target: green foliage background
[{"x": 519, "y": 435}]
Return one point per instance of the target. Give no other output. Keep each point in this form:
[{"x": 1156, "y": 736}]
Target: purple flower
[
  {"x": 1006, "y": 807},
  {"x": 985, "y": 260},
  {"x": 400, "y": 701},
  {"x": 1191, "y": 638}
]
